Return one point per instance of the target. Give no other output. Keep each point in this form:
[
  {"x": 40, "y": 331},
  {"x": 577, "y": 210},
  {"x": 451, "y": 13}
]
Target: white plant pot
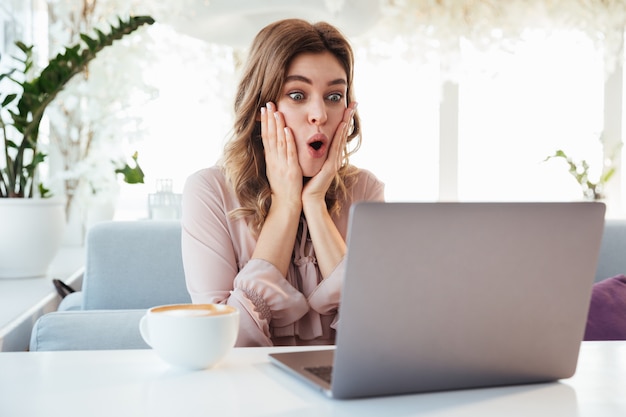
[{"x": 31, "y": 231}]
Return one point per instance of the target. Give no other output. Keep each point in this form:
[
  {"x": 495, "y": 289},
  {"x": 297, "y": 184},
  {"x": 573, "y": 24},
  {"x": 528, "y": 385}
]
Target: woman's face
[{"x": 312, "y": 102}]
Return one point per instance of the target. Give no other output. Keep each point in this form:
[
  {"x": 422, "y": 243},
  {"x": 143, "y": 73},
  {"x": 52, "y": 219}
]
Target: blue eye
[
  {"x": 335, "y": 97},
  {"x": 297, "y": 96}
]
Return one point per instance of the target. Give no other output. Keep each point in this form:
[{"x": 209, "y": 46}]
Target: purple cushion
[{"x": 607, "y": 311}]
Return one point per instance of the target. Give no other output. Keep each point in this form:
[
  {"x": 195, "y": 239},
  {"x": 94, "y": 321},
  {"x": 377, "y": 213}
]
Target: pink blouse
[{"x": 300, "y": 309}]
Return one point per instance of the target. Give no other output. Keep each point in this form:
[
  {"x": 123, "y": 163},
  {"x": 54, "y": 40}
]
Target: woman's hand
[
  {"x": 278, "y": 234},
  {"x": 318, "y": 185},
  {"x": 329, "y": 245},
  {"x": 281, "y": 158}
]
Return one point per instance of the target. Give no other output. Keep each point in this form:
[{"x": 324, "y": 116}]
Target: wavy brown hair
[{"x": 270, "y": 55}]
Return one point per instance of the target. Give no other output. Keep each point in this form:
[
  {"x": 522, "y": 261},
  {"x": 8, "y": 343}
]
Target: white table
[
  {"x": 24, "y": 300},
  {"x": 137, "y": 383}
]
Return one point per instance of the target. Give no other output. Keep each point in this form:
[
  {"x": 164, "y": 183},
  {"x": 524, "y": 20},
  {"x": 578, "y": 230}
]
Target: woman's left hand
[{"x": 318, "y": 185}]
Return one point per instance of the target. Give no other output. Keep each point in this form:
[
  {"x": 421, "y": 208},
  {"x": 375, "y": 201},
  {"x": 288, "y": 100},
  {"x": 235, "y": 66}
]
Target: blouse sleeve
[
  {"x": 325, "y": 298},
  {"x": 213, "y": 272}
]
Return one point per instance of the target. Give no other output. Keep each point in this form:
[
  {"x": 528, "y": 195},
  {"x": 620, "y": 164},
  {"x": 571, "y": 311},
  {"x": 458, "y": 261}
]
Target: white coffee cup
[{"x": 191, "y": 336}]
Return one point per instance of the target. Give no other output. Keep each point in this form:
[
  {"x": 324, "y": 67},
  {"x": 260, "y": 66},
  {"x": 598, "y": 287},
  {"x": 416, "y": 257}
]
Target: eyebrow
[{"x": 338, "y": 81}]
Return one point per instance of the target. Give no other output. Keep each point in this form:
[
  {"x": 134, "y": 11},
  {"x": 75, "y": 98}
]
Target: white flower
[
  {"x": 93, "y": 120},
  {"x": 442, "y": 25}
]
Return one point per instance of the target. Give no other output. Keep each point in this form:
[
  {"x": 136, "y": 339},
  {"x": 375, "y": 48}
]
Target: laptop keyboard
[{"x": 322, "y": 372}]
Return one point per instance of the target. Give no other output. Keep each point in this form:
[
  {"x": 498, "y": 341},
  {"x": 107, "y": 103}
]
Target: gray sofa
[
  {"x": 131, "y": 266},
  {"x": 612, "y": 259}
]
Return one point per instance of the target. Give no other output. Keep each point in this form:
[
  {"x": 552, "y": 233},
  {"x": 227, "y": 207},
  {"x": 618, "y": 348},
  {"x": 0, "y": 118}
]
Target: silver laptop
[{"x": 443, "y": 296}]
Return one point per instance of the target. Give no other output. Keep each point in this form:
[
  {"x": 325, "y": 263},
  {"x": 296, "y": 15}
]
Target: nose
[{"x": 317, "y": 112}]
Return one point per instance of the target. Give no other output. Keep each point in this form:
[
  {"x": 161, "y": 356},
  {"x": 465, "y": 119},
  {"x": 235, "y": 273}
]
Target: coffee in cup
[{"x": 191, "y": 336}]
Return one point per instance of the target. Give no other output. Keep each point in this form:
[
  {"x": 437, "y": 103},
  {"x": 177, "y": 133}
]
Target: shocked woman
[{"x": 264, "y": 230}]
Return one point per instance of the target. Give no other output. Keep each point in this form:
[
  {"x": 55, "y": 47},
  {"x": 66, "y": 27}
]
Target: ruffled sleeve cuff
[
  {"x": 325, "y": 298},
  {"x": 273, "y": 297}
]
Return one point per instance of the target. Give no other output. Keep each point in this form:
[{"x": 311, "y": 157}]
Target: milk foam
[{"x": 190, "y": 312}]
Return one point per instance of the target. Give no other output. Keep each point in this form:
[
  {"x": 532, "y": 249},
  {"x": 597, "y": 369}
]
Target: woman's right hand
[
  {"x": 281, "y": 158},
  {"x": 278, "y": 234}
]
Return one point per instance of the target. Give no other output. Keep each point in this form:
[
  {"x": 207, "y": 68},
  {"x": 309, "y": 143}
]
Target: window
[
  {"x": 514, "y": 110},
  {"x": 399, "y": 109},
  {"x": 547, "y": 96}
]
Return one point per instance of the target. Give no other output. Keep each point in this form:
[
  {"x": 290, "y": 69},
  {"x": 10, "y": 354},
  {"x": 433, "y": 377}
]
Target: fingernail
[
  {"x": 262, "y": 110},
  {"x": 269, "y": 106}
]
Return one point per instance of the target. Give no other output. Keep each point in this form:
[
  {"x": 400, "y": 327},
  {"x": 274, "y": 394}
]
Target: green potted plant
[
  {"x": 592, "y": 190},
  {"x": 21, "y": 114}
]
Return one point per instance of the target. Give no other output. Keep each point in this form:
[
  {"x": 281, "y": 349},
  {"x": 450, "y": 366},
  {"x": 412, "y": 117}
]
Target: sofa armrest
[
  {"x": 88, "y": 330},
  {"x": 73, "y": 301}
]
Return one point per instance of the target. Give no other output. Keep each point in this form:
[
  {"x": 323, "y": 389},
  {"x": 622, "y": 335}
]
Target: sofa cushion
[
  {"x": 133, "y": 265},
  {"x": 607, "y": 311},
  {"x": 88, "y": 330}
]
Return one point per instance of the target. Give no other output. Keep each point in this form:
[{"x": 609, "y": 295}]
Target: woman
[{"x": 265, "y": 230}]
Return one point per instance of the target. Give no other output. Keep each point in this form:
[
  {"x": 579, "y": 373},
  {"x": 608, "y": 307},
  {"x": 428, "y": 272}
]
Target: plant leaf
[
  {"x": 8, "y": 99},
  {"x": 132, "y": 175}
]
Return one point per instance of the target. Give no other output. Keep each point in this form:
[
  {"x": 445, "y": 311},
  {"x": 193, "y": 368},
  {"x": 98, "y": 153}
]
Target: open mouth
[{"x": 316, "y": 145}]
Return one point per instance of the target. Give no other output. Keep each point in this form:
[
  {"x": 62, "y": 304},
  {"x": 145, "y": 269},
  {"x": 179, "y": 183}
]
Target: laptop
[{"x": 446, "y": 296}]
